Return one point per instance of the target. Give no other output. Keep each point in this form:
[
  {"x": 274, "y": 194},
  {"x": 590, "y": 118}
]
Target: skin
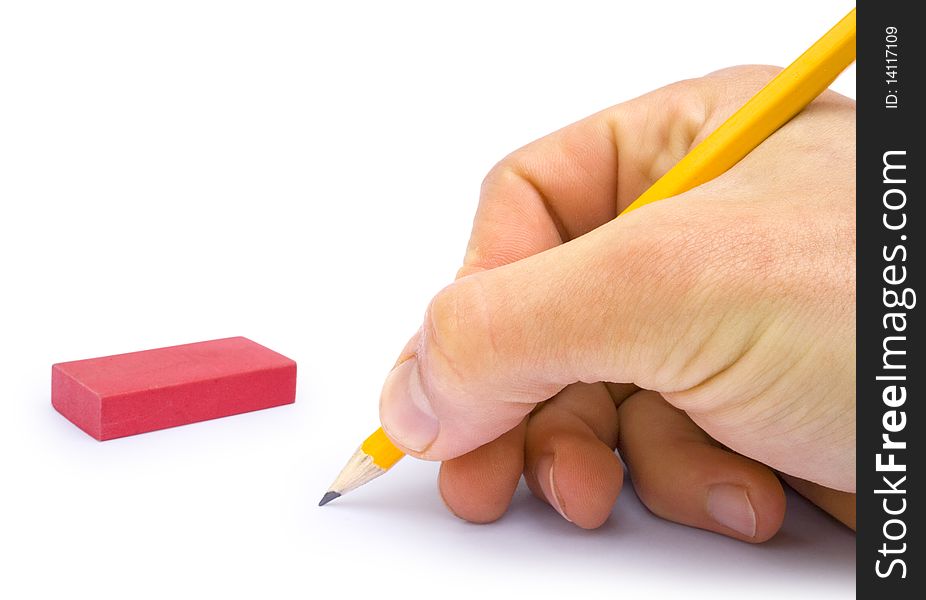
[{"x": 709, "y": 337}]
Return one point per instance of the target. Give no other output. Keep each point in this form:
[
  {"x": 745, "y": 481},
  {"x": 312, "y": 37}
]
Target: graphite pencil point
[{"x": 328, "y": 497}]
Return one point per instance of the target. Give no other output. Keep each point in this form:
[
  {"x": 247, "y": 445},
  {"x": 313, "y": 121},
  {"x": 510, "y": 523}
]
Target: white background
[{"x": 305, "y": 174}]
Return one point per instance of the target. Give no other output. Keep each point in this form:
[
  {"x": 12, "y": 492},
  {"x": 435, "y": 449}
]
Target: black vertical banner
[{"x": 891, "y": 362}]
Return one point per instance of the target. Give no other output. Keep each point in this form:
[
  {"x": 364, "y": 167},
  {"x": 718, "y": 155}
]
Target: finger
[
  {"x": 566, "y": 184},
  {"x": 569, "y": 454},
  {"x": 840, "y": 505},
  {"x": 478, "y": 486},
  {"x": 620, "y": 392},
  {"x": 682, "y": 475},
  {"x": 575, "y": 179}
]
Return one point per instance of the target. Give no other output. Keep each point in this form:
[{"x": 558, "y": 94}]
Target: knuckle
[
  {"x": 502, "y": 174},
  {"x": 750, "y": 71},
  {"x": 727, "y": 89},
  {"x": 457, "y": 332}
]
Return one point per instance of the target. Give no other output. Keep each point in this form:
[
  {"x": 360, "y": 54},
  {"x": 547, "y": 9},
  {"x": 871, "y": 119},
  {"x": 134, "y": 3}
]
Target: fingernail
[
  {"x": 729, "y": 505},
  {"x": 405, "y": 410},
  {"x": 547, "y": 481}
]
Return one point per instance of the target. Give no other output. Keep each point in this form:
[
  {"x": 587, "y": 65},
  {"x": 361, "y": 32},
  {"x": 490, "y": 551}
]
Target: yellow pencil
[{"x": 772, "y": 106}]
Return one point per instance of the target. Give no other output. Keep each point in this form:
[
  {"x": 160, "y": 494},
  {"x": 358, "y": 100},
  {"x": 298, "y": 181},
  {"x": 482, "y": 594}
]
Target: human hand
[{"x": 724, "y": 316}]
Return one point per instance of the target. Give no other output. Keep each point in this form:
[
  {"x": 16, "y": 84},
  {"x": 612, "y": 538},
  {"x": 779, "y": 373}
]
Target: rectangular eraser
[{"x": 126, "y": 394}]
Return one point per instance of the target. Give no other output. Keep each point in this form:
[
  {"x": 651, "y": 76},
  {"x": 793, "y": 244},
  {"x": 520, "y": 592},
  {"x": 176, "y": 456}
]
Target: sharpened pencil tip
[{"x": 328, "y": 497}]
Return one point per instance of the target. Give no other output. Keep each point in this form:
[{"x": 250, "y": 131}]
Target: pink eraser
[{"x": 125, "y": 394}]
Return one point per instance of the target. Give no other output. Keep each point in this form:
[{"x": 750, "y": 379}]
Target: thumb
[{"x": 608, "y": 306}]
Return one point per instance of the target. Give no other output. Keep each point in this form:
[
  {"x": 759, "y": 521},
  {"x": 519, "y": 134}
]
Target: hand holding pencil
[{"x": 726, "y": 312}]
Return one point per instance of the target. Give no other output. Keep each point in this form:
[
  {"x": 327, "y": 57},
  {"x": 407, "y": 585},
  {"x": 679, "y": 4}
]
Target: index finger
[{"x": 570, "y": 182}]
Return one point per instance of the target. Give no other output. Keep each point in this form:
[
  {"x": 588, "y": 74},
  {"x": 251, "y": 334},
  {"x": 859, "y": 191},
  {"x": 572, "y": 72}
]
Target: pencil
[
  {"x": 375, "y": 456},
  {"x": 774, "y": 105}
]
